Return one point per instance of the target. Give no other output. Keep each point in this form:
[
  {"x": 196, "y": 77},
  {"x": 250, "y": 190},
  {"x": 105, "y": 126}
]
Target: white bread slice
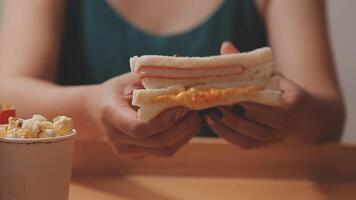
[
  {"x": 149, "y": 109},
  {"x": 190, "y": 71},
  {"x": 251, "y": 58}
]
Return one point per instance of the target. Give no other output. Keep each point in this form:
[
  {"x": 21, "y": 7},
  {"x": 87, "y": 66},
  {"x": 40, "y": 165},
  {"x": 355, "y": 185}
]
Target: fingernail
[
  {"x": 209, "y": 120},
  {"x": 239, "y": 110},
  {"x": 216, "y": 113}
]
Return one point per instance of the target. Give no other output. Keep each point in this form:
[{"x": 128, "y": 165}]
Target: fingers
[
  {"x": 265, "y": 115},
  {"x": 246, "y": 127},
  {"x": 279, "y": 118},
  {"x": 124, "y": 84},
  {"x": 293, "y": 97},
  {"x": 139, "y": 151},
  {"x": 228, "y": 48},
  {"x": 164, "y": 139},
  {"x": 175, "y": 133},
  {"x": 184, "y": 140},
  {"x": 124, "y": 118},
  {"x": 230, "y": 135}
]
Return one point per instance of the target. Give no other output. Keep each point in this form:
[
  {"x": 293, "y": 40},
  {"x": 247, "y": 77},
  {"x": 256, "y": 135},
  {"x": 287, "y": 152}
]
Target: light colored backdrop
[{"x": 342, "y": 19}]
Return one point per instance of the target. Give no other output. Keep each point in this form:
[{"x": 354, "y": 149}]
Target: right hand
[{"x": 162, "y": 136}]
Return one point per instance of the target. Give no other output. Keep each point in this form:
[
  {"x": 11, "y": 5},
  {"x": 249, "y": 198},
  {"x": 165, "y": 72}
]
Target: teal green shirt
[{"x": 98, "y": 42}]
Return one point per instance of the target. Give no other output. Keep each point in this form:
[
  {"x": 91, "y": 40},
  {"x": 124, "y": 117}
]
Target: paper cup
[{"x": 36, "y": 169}]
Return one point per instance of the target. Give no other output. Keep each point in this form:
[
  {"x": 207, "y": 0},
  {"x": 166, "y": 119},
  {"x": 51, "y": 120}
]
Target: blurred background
[{"x": 343, "y": 31}]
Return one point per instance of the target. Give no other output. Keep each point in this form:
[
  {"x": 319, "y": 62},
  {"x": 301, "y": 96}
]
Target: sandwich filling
[
  {"x": 202, "y": 97},
  {"x": 168, "y": 72}
]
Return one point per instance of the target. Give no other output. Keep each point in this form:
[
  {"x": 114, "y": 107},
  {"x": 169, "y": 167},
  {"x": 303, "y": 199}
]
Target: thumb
[{"x": 228, "y": 48}]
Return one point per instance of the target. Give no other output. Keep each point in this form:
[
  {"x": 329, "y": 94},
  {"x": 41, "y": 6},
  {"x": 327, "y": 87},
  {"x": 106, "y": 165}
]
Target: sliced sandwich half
[{"x": 204, "y": 82}]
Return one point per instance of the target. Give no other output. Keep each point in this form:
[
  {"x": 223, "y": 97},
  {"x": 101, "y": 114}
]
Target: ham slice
[{"x": 164, "y": 71}]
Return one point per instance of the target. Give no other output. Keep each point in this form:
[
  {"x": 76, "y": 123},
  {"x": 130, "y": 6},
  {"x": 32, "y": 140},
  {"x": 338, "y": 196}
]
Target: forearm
[
  {"x": 33, "y": 96},
  {"x": 304, "y": 56}
]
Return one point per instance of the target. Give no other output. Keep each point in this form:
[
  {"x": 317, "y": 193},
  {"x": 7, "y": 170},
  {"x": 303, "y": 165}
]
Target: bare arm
[
  {"x": 30, "y": 37},
  {"x": 299, "y": 37},
  {"x": 311, "y": 109}
]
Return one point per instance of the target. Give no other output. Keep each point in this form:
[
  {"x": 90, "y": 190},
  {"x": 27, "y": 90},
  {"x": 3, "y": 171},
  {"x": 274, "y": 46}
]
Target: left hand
[
  {"x": 109, "y": 107},
  {"x": 251, "y": 125}
]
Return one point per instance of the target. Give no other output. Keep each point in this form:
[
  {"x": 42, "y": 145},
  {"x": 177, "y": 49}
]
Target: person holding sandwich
[{"x": 72, "y": 57}]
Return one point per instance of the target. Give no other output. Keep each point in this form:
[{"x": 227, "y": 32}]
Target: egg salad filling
[{"x": 197, "y": 97}]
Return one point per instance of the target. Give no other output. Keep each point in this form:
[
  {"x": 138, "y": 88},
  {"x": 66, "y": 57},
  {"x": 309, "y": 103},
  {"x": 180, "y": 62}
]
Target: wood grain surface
[
  {"x": 213, "y": 169},
  {"x": 145, "y": 187},
  {"x": 214, "y": 157}
]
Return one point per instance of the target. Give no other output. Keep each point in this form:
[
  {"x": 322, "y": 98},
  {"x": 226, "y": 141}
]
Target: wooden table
[{"x": 213, "y": 169}]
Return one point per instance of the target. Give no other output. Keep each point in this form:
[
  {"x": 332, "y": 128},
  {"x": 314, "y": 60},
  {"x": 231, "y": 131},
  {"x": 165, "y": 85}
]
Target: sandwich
[{"x": 198, "y": 83}]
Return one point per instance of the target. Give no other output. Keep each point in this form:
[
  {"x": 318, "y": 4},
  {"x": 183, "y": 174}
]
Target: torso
[
  {"x": 101, "y": 36},
  {"x": 167, "y": 17}
]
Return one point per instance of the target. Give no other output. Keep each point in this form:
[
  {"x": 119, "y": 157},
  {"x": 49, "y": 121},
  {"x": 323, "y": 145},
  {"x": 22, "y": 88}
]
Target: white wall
[{"x": 342, "y": 18}]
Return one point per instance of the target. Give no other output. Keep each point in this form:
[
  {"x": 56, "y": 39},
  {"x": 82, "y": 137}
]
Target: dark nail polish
[
  {"x": 209, "y": 120},
  {"x": 216, "y": 113},
  {"x": 239, "y": 110}
]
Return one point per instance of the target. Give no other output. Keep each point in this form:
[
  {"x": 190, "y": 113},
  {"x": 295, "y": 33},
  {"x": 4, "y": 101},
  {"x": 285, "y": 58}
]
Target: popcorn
[
  {"x": 37, "y": 127},
  {"x": 33, "y": 126},
  {"x": 3, "y": 131},
  {"x": 62, "y": 124},
  {"x": 15, "y": 122},
  {"x": 39, "y": 118},
  {"x": 18, "y": 133},
  {"x": 47, "y": 133},
  {"x": 46, "y": 125}
]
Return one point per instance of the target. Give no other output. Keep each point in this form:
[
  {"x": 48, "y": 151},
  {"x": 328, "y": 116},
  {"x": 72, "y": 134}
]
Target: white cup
[{"x": 36, "y": 169}]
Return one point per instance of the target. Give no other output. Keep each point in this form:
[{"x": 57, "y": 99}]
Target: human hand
[
  {"x": 251, "y": 125},
  {"x": 162, "y": 136}
]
